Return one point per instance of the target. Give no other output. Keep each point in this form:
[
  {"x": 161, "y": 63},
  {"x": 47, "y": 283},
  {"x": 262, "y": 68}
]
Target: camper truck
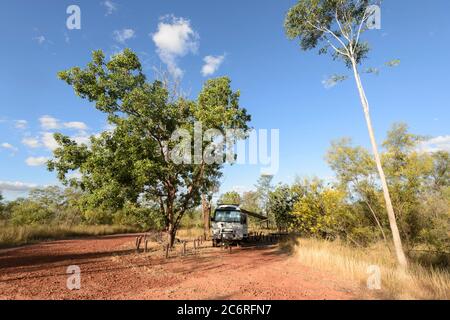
[{"x": 230, "y": 224}]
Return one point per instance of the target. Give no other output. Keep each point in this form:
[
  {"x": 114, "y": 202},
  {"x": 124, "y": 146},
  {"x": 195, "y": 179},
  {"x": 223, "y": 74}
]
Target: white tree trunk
[{"x": 390, "y": 210}]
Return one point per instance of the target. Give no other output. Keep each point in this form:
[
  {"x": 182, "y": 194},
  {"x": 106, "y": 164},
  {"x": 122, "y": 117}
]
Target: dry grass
[
  {"x": 352, "y": 263},
  {"x": 14, "y": 235},
  {"x": 189, "y": 233}
]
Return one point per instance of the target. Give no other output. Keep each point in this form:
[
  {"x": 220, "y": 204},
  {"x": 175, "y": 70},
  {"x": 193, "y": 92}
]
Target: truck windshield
[{"x": 227, "y": 216}]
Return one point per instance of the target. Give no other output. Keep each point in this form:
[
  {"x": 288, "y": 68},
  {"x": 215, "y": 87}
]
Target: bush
[
  {"x": 29, "y": 213},
  {"x": 192, "y": 219},
  {"x": 144, "y": 218}
]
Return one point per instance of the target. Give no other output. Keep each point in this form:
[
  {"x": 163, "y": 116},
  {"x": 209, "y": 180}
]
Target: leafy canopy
[
  {"x": 131, "y": 163},
  {"x": 326, "y": 24}
]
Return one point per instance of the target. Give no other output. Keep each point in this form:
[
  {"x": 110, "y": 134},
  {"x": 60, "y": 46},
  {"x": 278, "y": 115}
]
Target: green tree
[
  {"x": 417, "y": 182},
  {"x": 140, "y": 159},
  {"x": 337, "y": 25},
  {"x": 281, "y": 203},
  {"x": 230, "y": 197},
  {"x": 263, "y": 188},
  {"x": 316, "y": 211},
  {"x": 355, "y": 172},
  {"x": 27, "y": 212},
  {"x": 440, "y": 176},
  {"x": 408, "y": 173},
  {"x": 249, "y": 201}
]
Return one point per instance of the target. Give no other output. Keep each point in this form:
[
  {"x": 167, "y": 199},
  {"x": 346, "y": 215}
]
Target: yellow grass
[
  {"x": 20, "y": 235},
  {"x": 352, "y": 264},
  {"x": 189, "y": 233}
]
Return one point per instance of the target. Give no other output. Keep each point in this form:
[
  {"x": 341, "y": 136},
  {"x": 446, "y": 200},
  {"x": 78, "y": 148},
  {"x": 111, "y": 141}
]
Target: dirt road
[{"x": 111, "y": 269}]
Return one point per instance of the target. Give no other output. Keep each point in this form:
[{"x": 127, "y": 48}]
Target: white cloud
[
  {"x": 48, "y": 141},
  {"x": 76, "y": 125},
  {"x": 31, "y": 142},
  {"x": 441, "y": 143},
  {"x": 36, "y": 161},
  {"x": 21, "y": 124},
  {"x": 40, "y": 39},
  {"x": 16, "y": 186},
  {"x": 8, "y": 146},
  {"x": 212, "y": 64},
  {"x": 123, "y": 35},
  {"x": 174, "y": 39},
  {"x": 82, "y": 139},
  {"x": 49, "y": 123},
  {"x": 110, "y": 6}
]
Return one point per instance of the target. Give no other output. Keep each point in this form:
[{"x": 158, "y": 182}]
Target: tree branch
[
  {"x": 326, "y": 30},
  {"x": 358, "y": 34}
]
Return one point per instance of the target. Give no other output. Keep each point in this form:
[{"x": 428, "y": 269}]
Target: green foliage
[
  {"x": 440, "y": 175},
  {"x": 281, "y": 204},
  {"x": 263, "y": 189},
  {"x": 352, "y": 207},
  {"x": 372, "y": 70},
  {"x": 143, "y": 218},
  {"x": 26, "y": 212},
  {"x": 319, "y": 210},
  {"x": 250, "y": 201},
  {"x": 417, "y": 182},
  {"x": 231, "y": 197},
  {"x": 41, "y": 207},
  {"x": 64, "y": 207},
  {"x": 193, "y": 219},
  {"x": 393, "y": 63},
  {"x": 318, "y": 23}
]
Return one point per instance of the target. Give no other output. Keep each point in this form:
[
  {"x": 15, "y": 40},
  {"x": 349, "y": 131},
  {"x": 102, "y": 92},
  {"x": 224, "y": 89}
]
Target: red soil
[{"x": 111, "y": 269}]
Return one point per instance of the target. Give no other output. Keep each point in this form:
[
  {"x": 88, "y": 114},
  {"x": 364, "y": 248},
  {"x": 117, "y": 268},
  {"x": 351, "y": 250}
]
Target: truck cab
[{"x": 229, "y": 225}]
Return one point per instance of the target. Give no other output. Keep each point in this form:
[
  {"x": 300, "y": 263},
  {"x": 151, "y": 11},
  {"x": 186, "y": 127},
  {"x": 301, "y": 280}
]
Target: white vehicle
[{"x": 230, "y": 224}]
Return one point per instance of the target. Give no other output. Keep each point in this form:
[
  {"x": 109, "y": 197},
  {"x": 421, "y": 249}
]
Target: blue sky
[{"x": 281, "y": 86}]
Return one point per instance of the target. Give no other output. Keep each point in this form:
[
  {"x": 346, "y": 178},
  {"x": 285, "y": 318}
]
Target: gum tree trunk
[{"x": 390, "y": 209}]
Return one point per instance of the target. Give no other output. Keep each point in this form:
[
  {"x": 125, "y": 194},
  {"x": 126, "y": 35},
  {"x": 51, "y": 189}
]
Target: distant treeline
[{"x": 57, "y": 206}]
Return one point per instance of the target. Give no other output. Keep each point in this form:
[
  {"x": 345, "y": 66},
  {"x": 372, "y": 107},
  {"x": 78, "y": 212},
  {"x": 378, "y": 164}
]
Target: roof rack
[{"x": 228, "y": 204}]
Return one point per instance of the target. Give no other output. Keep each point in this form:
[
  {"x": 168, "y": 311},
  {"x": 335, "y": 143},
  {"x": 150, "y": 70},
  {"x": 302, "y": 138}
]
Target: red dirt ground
[{"x": 111, "y": 269}]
